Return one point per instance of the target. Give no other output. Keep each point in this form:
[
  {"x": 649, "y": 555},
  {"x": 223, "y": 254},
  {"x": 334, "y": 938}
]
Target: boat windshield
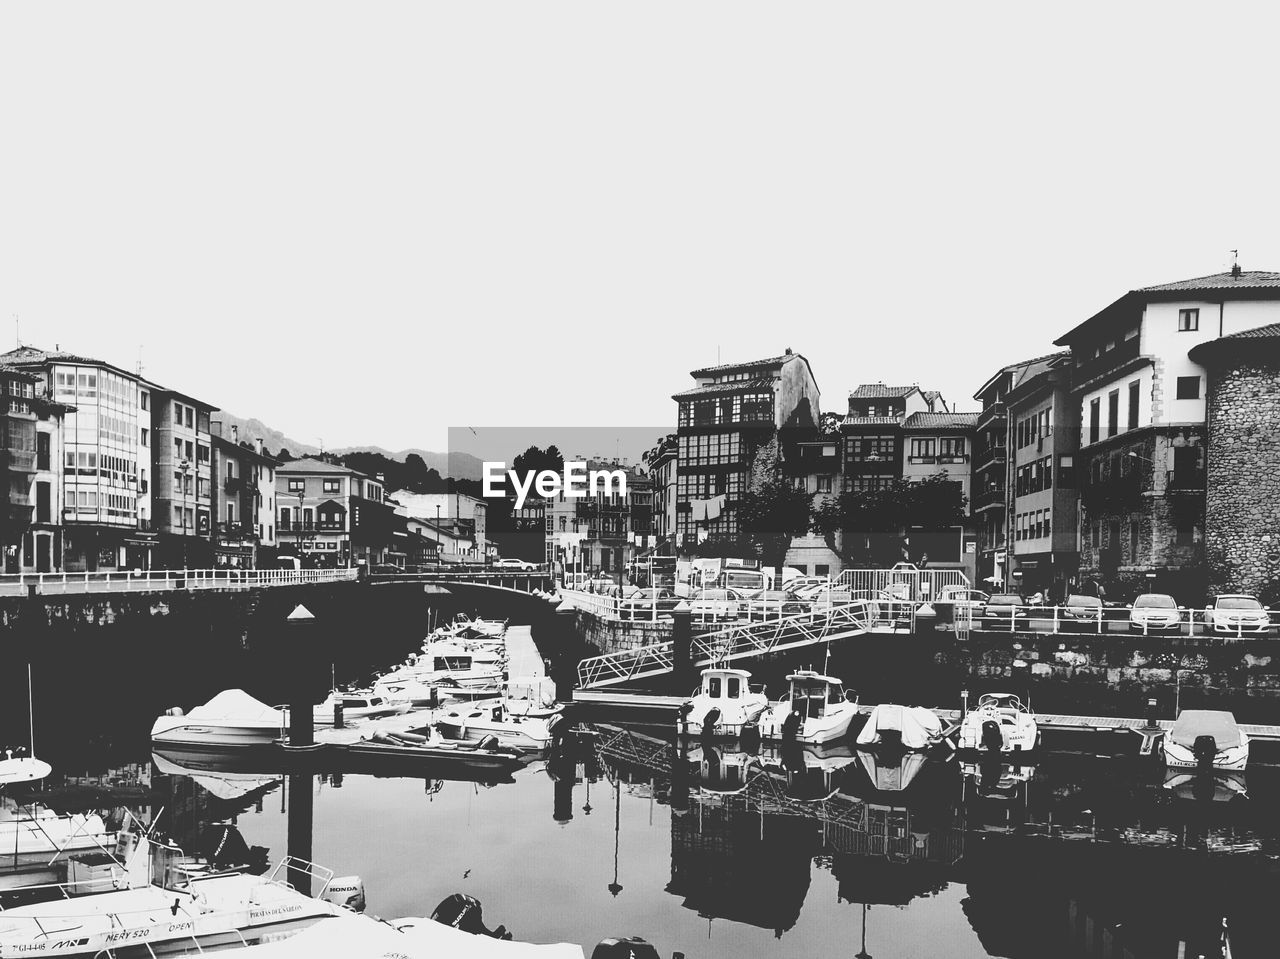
[
  {"x": 809, "y": 698},
  {"x": 1001, "y": 700}
]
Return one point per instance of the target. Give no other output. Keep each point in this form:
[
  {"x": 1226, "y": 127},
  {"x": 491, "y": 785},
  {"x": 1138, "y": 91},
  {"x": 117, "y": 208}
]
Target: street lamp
[
  {"x": 184, "y": 470},
  {"x": 302, "y": 493}
]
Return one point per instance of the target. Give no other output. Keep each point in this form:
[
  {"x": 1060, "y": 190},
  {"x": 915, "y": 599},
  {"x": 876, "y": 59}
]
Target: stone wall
[
  {"x": 613, "y": 636},
  {"x": 1243, "y": 503}
]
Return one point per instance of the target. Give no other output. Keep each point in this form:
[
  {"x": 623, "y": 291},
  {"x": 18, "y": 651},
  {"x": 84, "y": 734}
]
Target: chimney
[
  {"x": 235, "y": 434},
  {"x": 1235, "y": 270},
  {"x": 258, "y": 442}
]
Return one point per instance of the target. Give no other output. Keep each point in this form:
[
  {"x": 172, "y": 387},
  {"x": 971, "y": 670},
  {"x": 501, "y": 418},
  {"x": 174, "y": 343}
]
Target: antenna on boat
[{"x": 31, "y": 714}]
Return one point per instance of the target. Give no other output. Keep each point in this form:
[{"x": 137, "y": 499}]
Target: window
[
  {"x": 1113, "y": 412},
  {"x": 284, "y": 518},
  {"x": 1094, "y": 410},
  {"x": 1188, "y": 387},
  {"x": 331, "y": 486},
  {"x": 177, "y": 413},
  {"x": 1135, "y": 531},
  {"x": 1188, "y": 320},
  {"x": 922, "y": 450},
  {"x": 1134, "y": 389},
  {"x": 190, "y": 449},
  {"x": 824, "y": 484},
  {"x": 191, "y": 422},
  {"x": 297, "y": 485},
  {"x": 145, "y": 439},
  {"x": 953, "y": 446}
]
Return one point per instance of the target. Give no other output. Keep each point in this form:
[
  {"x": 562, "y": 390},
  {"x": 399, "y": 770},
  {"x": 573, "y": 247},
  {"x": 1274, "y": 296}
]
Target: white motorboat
[
  {"x": 723, "y": 704},
  {"x": 906, "y": 727},
  {"x": 416, "y": 692},
  {"x": 357, "y": 704},
  {"x": 34, "y": 831},
  {"x": 452, "y": 664},
  {"x": 1000, "y": 723},
  {"x": 1206, "y": 739},
  {"x": 815, "y": 710},
  {"x": 468, "y": 627},
  {"x": 22, "y": 769},
  {"x": 160, "y": 908},
  {"x": 231, "y": 718},
  {"x": 476, "y": 722}
]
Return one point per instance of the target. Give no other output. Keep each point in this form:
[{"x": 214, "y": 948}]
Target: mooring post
[
  {"x": 682, "y": 642},
  {"x": 300, "y": 632}
]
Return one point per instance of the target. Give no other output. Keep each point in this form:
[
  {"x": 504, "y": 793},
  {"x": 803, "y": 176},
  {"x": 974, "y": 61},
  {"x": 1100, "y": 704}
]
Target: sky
[{"x": 367, "y": 223}]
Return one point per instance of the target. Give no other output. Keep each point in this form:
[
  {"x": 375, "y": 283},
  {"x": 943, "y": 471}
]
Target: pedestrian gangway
[
  {"x": 739, "y": 641},
  {"x": 904, "y": 582}
]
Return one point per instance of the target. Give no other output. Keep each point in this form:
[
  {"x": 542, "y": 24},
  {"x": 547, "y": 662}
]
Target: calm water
[{"x": 719, "y": 853}]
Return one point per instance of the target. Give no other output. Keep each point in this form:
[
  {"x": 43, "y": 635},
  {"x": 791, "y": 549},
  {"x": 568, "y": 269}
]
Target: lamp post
[
  {"x": 302, "y": 493},
  {"x": 184, "y": 470}
]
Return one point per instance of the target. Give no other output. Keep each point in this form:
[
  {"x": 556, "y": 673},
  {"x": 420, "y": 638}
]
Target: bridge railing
[
  {"x": 155, "y": 580},
  {"x": 918, "y": 585}
]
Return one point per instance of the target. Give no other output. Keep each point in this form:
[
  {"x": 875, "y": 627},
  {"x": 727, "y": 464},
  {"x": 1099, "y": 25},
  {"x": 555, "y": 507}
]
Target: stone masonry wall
[{"x": 1243, "y": 504}]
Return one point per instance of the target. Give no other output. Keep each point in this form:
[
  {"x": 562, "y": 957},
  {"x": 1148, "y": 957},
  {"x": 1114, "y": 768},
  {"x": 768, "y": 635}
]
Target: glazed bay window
[
  {"x": 923, "y": 450},
  {"x": 952, "y": 449},
  {"x": 870, "y": 448},
  {"x": 755, "y": 408}
]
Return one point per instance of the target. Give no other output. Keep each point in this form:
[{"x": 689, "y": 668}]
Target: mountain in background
[{"x": 457, "y": 465}]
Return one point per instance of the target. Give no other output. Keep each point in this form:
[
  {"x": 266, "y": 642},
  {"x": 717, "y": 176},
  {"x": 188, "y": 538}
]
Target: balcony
[
  {"x": 232, "y": 485},
  {"x": 21, "y": 461},
  {"x": 996, "y": 456},
  {"x": 236, "y": 531},
  {"x": 995, "y": 497},
  {"x": 923, "y": 460},
  {"x": 991, "y": 414},
  {"x": 1181, "y": 482},
  {"x": 1100, "y": 365},
  {"x": 953, "y": 459}
]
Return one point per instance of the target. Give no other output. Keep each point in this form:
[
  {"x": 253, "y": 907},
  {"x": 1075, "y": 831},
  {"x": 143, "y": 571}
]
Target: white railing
[
  {"x": 154, "y": 580},
  {"x": 1108, "y": 620},
  {"x": 919, "y": 585},
  {"x": 725, "y": 645}
]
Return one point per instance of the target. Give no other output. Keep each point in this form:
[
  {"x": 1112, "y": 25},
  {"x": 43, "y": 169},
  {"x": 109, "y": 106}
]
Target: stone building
[{"x": 1242, "y": 504}]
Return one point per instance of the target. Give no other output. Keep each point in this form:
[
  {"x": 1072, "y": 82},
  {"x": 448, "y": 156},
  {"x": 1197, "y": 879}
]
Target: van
[{"x": 743, "y": 580}]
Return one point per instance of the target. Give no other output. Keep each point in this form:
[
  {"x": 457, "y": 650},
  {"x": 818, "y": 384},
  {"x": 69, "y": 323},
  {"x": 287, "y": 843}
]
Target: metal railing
[
  {"x": 737, "y": 641},
  {"x": 919, "y": 585},
  {"x": 155, "y": 580},
  {"x": 1111, "y": 620}
]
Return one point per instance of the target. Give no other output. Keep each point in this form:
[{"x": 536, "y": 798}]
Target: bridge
[
  {"x": 739, "y": 641},
  {"x": 160, "y": 580},
  {"x": 523, "y": 581}
]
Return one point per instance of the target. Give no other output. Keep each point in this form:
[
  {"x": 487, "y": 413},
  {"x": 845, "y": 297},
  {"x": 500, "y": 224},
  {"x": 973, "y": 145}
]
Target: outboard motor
[
  {"x": 464, "y": 912},
  {"x": 992, "y": 737},
  {"x": 710, "y": 720},
  {"x": 791, "y": 725},
  {"x": 488, "y": 742},
  {"x": 685, "y": 710},
  {"x": 633, "y": 947},
  {"x": 346, "y": 891},
  {"x": 223, "y": 846},
  {"x": 750, "y": 738},
  {"x": 1204, "y": 749}
]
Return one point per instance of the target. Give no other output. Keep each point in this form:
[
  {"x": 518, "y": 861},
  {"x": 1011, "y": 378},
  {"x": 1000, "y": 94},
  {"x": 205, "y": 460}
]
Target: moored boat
[
  {"x": 815, "y": 710},
  {"x": 900, "y": 727},
  {"x": 475, "y": 722},
  {"x": 1206, "y": 739},
  {"x": 999, "y": 724},
  {"x": 231, "y": 718},
  {"x": 723, "y": 704}
]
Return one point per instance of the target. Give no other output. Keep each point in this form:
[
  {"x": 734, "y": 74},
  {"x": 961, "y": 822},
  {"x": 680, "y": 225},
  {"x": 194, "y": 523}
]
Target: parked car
[
  {"x": 1003, "y": 609},
  {"x": 511, "y": 562},
  {"x": 1080, "y": 612},
  {"x": 386, "y": 568},
  {"x": 774, "y": 604},
  {"x": 827, "y": 596},
  {"x": 716, "y": 604},
  {"x": 964, "y": 598},
  {"x": 1237, "y": 614},
  {"x": 808, "y": 586},
  {"x": 1155, "y": 613},
  {"x": 643, "y": 602}
]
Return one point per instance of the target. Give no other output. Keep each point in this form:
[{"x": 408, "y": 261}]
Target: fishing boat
[
  {"x": 476, "y": 722},
  {"x": 900, "y": 727},
  {"x": 723, "y": 705},
  {"x": 231, "y": 718},
  {"x": 159, "y": 907},
  {"x": 357, "y": 704},
  {"x": 1000, "y": 723},
  {"x": 815, "y": 710},
  {"x": 1206, "y": 739}
]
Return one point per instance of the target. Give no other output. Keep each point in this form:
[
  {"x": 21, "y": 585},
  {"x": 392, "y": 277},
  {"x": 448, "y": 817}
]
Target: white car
[
  {"x": 716, "y": 604},
  {"x": 965, "y": 598},
  {"x": 1155, "y": 613},
  {"x": 513, "y": 563},
  {"x": 806, "y": 587},
  {"x": 1237, "y": 614}
]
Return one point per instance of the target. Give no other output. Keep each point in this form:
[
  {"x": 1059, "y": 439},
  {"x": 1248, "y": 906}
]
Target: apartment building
[
  {"x": 30, "y": 467},
  {"x": 811, "y": 461},
  {"x": 660, "y": 461},
  {"x": 102, "y": 481},
  {"x": 182, "y": 493},
  {"x": 330, "y": 515},
  {"x": 1144, "y": 445},
  {"x": 457, "y": 510},
  {"x": 727, "y": 439},
  {"x": 244, "y": 492}
]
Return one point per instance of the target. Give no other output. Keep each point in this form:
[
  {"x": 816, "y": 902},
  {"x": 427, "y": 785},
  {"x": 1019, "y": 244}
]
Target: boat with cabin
[
  {"x": 815, "y": 710},
  {"x": 357, "y": 704},
  {"x": 479, "y": 721},
  {"x": 999, "y": 724},
  {"x": 1206, "y": 739},
  {"x": 723, "y": 704},
  {"x": 231, "y": 718}
]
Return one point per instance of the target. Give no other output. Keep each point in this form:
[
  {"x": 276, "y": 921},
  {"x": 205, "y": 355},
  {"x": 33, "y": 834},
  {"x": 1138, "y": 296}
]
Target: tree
[
  {"x": 284, "y": 456},
  {"x": 876, "y": 522},
  {"x": 416, "y": 475},
  {"x": 771, "y": 515}
]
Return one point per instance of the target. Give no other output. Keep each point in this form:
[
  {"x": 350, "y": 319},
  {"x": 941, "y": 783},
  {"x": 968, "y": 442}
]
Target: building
[
  {"x": 103, "y": 478},
  {"x": 1242, "y": 501},
  {"x": 811, "y": 461},
  {"x": 423, "y": 541},
  {"x": 894, "y": 433},
  {"x": 1026, "y": 507},
  {"x": 1144, "y": 440},
  {"x": 244, "y": 493},
  {"x": 330, "y": 515},
  {"x": 728, "y": 440},
  {"x": 1043, "y": 439},
  {"x": 182, "y": 487},
  {"x": 30, "y": 475},
  {"x": 466, "y": 512},
  {"x": 660, "y": 461}
]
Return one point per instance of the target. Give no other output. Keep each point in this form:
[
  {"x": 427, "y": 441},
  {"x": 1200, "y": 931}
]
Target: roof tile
[{"x": 878, "y": 391}]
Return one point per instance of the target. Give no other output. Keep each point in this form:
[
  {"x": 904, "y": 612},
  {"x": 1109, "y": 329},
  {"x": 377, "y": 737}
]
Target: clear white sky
[{"x": 368, "y": 222}]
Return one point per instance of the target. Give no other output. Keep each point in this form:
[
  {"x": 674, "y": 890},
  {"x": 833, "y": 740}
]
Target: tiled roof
[
  {"x": 737, "y": 386},
  {"x": 720, "y": 368},
  {"x": 1268, "y": 332},
  {"x": 872, "y": 420},
  {"x": 1248, "y": 279},
  {"x": 309, "y": 465},
  {"x": 940, "y": 421},
  {"x": 1244, "y": 342},
  {"x": 878, "y": 391}
]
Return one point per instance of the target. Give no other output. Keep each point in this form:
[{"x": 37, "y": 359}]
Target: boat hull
[
  {"x": 186, "y": 733},
  {"x": 813, "y": 731},
  {"x": 1234, "y": 759}
]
